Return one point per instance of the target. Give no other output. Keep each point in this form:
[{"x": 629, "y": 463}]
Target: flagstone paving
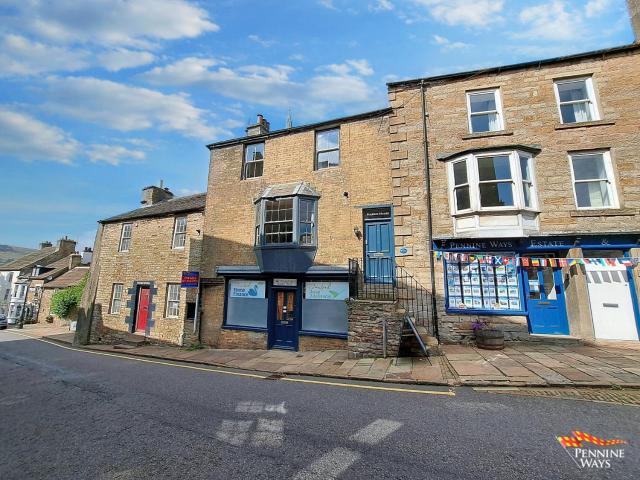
[{"x": 602, "y": 364}]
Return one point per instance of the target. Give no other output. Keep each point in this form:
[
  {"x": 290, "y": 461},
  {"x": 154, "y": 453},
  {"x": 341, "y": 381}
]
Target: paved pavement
[
  {"x": 85, "y": 414},
  {"x": 519, "y": 364}
]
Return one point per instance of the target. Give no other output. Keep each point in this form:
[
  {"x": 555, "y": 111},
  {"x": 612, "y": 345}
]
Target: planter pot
[{"x": 490, "y": 339}]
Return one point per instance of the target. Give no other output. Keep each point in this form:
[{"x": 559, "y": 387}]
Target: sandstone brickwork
[{"x": 366, "y": 327}]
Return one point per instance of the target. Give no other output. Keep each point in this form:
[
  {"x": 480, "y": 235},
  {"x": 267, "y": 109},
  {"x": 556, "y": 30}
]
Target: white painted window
[
  {"x": 485, "y": 111},
  {"x": 173, "y": 300},
  {"x": 125, "y": 237},
  {"x": 492, "y": 181},
  {"x": 116, "y": 297},
  {"x": 253, "y": 160},
  {"x": 179, "y": 232},
  {"x": 327, "y": 148},
  {"x": 576, "y": 100},
  {"x": 593, "y": 180}
]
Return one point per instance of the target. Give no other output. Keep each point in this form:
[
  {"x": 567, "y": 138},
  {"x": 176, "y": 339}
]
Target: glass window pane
[
  {"x": 254, "y": 152},
  {"x": 494, "y": 168},
  {"x": 592, "y": 194},
  {"x": 488, "y": 122},
  {"x": 526, "y": 188},
  {"x": 328, "y": 139},
  {"x": 571, "y": 91},
  {"x": 496, "y": 194},
  {"x": 525, "y": 168},
  {"x": 460, "y": 173},
  {"x": 482, "y": 102},
  {"x": 462, "y": 198},
  {"x": 575, "y": 112},
  {"x": 589, "y": 166},
  {"x": 328, "y": 159}
]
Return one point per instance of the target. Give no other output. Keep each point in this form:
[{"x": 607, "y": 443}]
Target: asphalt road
[{"x": 73, "y": 414}]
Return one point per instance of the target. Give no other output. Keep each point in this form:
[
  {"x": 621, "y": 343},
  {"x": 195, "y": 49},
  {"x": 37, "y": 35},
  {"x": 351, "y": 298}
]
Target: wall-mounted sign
[
  {"x": 326, "y": 290},
  {"x": 247, "y": 288},
  {"x": 285, "y": 282},
  {"x": 377, "y": 213},
  {"x": 190, "y": 280}
]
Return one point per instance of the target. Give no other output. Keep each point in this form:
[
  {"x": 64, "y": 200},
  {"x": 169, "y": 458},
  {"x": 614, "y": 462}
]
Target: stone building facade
[
  {"x": 285, "y": 212},
  {"x": 141, "y": 259},
  {"x": 534, "y": 194}
]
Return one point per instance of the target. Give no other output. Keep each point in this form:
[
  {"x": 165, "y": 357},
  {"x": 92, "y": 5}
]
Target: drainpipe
[{"x": 427, "y": 177}]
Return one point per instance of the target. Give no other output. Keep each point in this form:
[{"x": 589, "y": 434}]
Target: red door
[{"x": 143, "y": 309}]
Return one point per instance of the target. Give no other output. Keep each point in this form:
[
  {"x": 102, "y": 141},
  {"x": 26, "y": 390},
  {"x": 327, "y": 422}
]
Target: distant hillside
[{"x": 9, "y": 253}]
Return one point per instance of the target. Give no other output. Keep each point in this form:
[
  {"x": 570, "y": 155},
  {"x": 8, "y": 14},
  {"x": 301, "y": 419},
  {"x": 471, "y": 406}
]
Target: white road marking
[
  {"x": 269, "y": 433},
  {"x": 259, "y": 407},
  {"x": 234, "y": 432},
  {"x": 375, "y": 432},
  {"x": 329, "y": 466}
]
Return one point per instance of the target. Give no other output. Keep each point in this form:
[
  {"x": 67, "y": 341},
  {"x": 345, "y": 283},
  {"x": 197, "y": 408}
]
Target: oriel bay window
[
  {"x": 492, "y": 181},
  {"x": 286, "y": 221}
]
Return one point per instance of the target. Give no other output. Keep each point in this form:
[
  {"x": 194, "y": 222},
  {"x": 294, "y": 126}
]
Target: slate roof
[
  {"x": 288, "y": 189},
  {"x": 29, "y": 260},
  {"x": 57, "y": 267},
  {"x": 68, "y": 279},
  {"x": 191, "y": 203}
]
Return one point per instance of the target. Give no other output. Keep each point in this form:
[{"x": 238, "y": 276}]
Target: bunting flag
[{"x": 498, "y": 260}]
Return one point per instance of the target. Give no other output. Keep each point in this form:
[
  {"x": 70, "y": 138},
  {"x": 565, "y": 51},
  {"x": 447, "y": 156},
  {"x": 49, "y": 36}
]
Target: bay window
[
  {"x": 492, "y": 181},
  {"x": 286, "y": 221},
  {"x": 576, "y": 100},
  {"x": 593, "y": 182},
  {"x": 485, "y": 111}
]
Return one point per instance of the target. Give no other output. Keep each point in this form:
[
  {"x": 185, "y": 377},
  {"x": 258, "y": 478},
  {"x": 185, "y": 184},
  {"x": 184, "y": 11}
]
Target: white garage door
[{"x": 611, "y": 304}]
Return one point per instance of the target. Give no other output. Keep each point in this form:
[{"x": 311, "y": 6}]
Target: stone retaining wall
[{"x": 366, "y": 320}]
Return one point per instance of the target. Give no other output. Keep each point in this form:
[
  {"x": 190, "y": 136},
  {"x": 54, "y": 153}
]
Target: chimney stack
[
  {"x": 261, "y": 127},
  {"x": 634, "y": 13},
  {"x": 66, "y": 246},
  {"x": 45, "y": 245},
  {"x": 74, "y": 260},
  {"x": 87, "y": 255},
  {"x": 152, "y": 195}
]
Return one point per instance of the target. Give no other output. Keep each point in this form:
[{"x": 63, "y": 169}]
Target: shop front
[
  {"x": 580, "y": 286},
  {"x": 291, "y": 312}
]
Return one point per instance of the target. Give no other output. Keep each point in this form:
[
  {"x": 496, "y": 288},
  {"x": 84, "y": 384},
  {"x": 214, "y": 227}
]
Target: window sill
[
  {"x": 249, "y": 179},
  {"x": 499, "y": 133},
  {"x": 249, "y": 329},
  {"x": 510, "y": 210},
  {"x": 310, "y": 333},
  {"x": 594, "y": 123},
  {"x": 327, "y": 169},
  {"x": 605, "y": 212}
]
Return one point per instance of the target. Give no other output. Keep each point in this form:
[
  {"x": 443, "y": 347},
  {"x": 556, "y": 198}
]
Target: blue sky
[{"x": 102, "y": 97}]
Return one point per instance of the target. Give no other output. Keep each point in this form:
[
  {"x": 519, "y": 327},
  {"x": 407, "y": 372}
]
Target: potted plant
[{"x": 486, "y": 337}]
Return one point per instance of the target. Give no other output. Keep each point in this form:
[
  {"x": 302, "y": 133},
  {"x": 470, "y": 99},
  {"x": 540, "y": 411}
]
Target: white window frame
[
  {"x": 179, "y": 234},
  {"x": 172, "y": 306},
  {"x": 121, "y": 247},
  {"x": 246, "y": 162},
  {"x": 591, "y": 94},
  {"x": 498, "y": 110},
  {"x": 474, "y": 182},
  {"x": 318, "y": 151},
  {"x": 611, "y": 179},
  {"x": 116, "y": 295}
]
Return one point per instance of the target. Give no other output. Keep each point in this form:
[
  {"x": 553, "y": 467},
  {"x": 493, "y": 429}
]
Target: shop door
[
  {"x": 378, "y": 252},
  {"x": 284, "y": 320},
  {"x": 611, "y": 303},
  {"x": 545, "y": 301},
  {"x": 142, "y": 312}
]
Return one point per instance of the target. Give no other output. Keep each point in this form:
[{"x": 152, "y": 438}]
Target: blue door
[
  {"x": 284, "y": 320},
  {"x": 545, "y": 301},
  {"x": 378, "y": 252}
]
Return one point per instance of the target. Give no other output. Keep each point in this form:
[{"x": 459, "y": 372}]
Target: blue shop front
[{"x": 582, "y": 286}]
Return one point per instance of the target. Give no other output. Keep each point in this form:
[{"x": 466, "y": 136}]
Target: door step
[
  {"x": 556, "y": 339},
  {"x": 133, "y": 340}
]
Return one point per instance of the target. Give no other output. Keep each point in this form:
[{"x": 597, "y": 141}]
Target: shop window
[
  {"x": 486, "y": 282},
  {"x": 247, "y": 305},
  {"x": 492, "y": 181},
  {"x": 253, "y": 160},
  {"x": 324, "y": 309},
  {"x": 327, "y": 148},
  {"x": 485, "y": 111},
  {"x": 593, "y": 181},
  {"x": 576, "y": 100}
]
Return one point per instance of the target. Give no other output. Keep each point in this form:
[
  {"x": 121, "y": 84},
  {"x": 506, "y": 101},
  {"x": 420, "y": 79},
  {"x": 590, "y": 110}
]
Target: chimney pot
[
  {"x": 260, "y": 128},
  {"x": 45, "y": 244}
]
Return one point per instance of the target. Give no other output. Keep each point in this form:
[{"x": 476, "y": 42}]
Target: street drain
[
  {"x": 603, "y": 395},
  {"x": 275, "y": 376}
]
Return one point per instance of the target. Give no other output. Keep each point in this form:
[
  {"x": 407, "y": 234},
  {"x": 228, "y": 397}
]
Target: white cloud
[
  {"x": 447, "y": 44},
  {"x": 327, "y": 4},
  {"x": 26, "y": 138},
  {"x": 381, "y": 6},
  {"x": 596, "y": 7},
  {"x": 121, "y": 58},
  {"x": 113, "y": 154},
  {"x": 271, "y": 85},
  {"x": 261, "y": 41},
  {"x": 20, "y": 56},
  {"x": 472, "y": 13},
  {"x": 122, "y": 23},
  {"x": 550, "y": 21},
  {"x": 126, "y": 108},
  {"x": 297, "y": 57}
]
